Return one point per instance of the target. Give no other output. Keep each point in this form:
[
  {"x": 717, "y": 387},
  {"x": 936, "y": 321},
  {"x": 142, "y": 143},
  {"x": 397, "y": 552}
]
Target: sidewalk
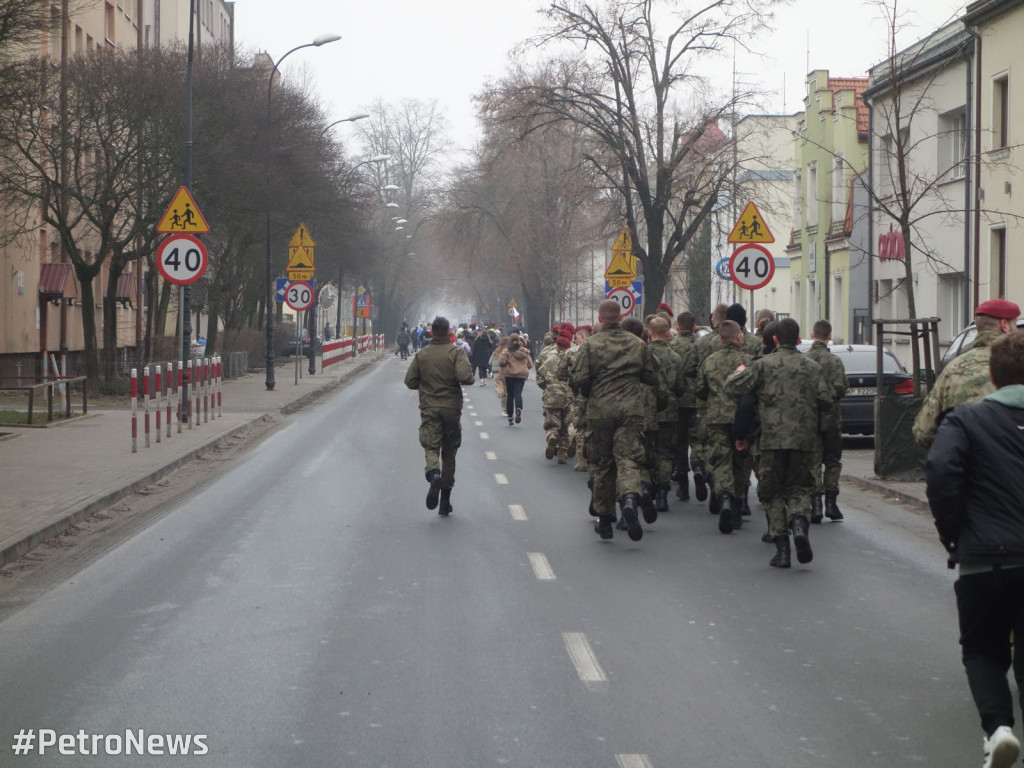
[
  {"x": 859, "y": 470},
  {"x": 54, "y": 477}
]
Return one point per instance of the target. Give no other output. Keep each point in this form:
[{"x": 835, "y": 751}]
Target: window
[
  {"x": 1001, "y": 112},
  {"x": 78, "y": 39},
  {"x": 798, "y": 200},
  {"x": 949, "y": 306},
  {"x": 838, "y": 189},
  {"x": 997, "y": 263},
  {"x": 952, "y": 144},
  {"x": 812, "y": 195},
  {"x": 108, "y": 31}
]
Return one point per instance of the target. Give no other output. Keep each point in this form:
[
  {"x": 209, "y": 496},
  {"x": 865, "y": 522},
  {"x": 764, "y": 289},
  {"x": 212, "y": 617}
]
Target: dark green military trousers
[
  {"x": 616, "y": 454},
  {"x": 441, "y": 436},
  {"x": 784, "y": 486}
]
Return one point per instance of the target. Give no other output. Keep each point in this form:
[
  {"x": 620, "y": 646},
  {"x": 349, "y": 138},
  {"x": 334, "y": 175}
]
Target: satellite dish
[{"x": 327, "y": 295}]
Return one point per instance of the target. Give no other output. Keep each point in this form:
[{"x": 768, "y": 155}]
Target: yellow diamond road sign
[
  {"x": 751, "y": 228},
  {"x": 182, "y": 216}
]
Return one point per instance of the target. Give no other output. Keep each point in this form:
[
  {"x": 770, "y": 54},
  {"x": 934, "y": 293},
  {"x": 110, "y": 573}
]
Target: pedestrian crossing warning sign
[
  {"x": 182, "y": 216},
  {"x": 750, "y": 228},
  {"x": 622, "y": 268}
]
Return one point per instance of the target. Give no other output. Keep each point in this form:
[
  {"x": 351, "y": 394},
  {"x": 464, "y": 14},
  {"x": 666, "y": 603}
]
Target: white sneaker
[{"x": 1001, "y": 749}]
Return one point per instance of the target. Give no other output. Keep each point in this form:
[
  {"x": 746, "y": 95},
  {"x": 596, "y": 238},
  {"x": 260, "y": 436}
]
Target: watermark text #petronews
[{"x": 46, "y": 741}]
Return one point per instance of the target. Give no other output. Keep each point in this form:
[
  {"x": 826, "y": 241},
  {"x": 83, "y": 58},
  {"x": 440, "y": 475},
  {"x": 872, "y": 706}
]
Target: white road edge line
[
  {"x": 583, "y": 658},
  {"x": 517, "y": 511},
  {"x": 633, "y": 761},
  {"x": 541, "y": 567}
]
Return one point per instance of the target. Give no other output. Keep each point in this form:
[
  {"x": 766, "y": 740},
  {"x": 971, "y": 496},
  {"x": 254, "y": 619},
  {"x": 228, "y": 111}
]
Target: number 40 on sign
[{"x": 182, "y": 259}]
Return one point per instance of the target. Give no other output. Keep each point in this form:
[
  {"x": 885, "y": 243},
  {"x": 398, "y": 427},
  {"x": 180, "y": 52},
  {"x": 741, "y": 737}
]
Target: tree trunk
[
  {"x": 92, "y": 363},
  {"x": 109, "y": 353}
]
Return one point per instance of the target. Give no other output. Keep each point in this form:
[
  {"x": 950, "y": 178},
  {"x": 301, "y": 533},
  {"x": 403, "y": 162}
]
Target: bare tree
[{"x": 642, "y": 98}]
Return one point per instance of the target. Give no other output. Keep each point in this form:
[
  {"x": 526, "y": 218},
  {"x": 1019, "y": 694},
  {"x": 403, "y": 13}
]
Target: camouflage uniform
[
  {"x": 686, "y": 424},
  {"x": 702, "y": 348},
  {"x": 665, "y": 420},
  {"x": 791, "y": 393},
  {"x": 724, "y": 464},
  {"x": 611, "y": 370},
  {"x": 557, "y": 398},
  {"x": 752, "y": 344},
  {"x": 829, "y": 447},
  {"x": 436, "y": 372},
  {"x": 577, "y": 408},
  {"x": 964, "y": 380}
]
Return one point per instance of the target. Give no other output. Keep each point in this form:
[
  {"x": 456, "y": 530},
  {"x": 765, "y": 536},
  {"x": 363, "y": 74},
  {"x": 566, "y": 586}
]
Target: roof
[
  {"x": 857, "y": 85},
  {"x": 52, "y": 278}
]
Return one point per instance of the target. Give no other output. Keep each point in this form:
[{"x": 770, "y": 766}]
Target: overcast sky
[{"x": 448, "y": 49}]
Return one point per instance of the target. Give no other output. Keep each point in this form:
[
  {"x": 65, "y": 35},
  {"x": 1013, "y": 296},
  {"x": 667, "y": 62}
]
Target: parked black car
[
  {"x": 315, "y": 341},
  {"x": 857, "y": 408}
]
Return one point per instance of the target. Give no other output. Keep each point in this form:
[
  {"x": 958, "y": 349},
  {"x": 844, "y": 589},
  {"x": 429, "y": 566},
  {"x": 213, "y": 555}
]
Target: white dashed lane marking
[
  {"x": 478, "y": 423},
  {"x": 517, "y": 511},
  {"x": 541, "y": 567},
  {"x": 500, "y": 479},
  {"x": 633, "y": 761},
  {"x": 583, "y": 658},
  {"x": 491, "y": 455},
  {"x": 484, "y": 436}
]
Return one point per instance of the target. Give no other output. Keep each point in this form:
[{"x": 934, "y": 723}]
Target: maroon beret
[
  {"x": 667, "y": 308},
  {"x": 587, "y": 328},
  {"x": 563, "y": 341},
  {"x": 998, "y": 308}
]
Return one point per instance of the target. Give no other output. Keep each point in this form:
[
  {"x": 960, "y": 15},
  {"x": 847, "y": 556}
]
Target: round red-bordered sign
[
  {"x": 182, "y": 259},
  {"x": 751, "y": 266},
  {"x": 625, "y": 298},
  {"x": 298, "y": 296}
]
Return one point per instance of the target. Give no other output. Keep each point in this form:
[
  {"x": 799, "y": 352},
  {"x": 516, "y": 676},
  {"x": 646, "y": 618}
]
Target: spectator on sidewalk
[{"x": 977, "y": 500}]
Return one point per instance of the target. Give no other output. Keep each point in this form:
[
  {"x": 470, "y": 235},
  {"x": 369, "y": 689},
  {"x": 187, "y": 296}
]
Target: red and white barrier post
[
  {"x": 220, "y": 386},
  {"x": 145, "y": 402},
  {"x": 135, "y": 410},
  {"x": 177, "y": 393},
  {"x": 206, "y": 390},
  {"x": 189, "y": 387},
  {"x": 157, "y": 388},
  {"x": 168, "y": 378}
]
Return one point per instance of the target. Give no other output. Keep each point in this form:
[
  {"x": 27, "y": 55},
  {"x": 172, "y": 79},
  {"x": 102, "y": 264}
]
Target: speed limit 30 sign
[
  {"x": 298, "y": 296},
  {"x": 751, "y": 266},
  {"x": 182, "y": 259}
]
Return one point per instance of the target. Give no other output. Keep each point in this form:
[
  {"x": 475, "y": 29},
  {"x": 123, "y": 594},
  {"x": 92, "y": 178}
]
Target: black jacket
[{"x": 975, "y": 489}]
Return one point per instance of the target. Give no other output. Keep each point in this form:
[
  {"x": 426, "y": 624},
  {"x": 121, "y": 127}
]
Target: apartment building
[{"x": 40, "y": 305}]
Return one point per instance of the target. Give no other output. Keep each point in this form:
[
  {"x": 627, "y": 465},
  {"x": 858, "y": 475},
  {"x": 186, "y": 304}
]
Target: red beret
[
  {"x": 666, "y": 308},
  {"x": 999, "y": 308},
  {"x": 567, "y": 328},
  {"x": 563, "y": 341},
  {"x": 587, "y": 328}
]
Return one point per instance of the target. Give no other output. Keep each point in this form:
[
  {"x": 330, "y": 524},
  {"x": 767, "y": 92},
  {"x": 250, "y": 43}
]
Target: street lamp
[
  {"x": 317, "y": 42},
  {"x": 349, "y": 119}
]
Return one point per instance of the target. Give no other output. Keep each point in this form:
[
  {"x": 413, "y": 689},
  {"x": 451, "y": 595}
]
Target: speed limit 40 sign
[
  {"x": 751, "y": 266},
  {"x": 182, "y": 259},
  {"x": 298, "y": 296}
]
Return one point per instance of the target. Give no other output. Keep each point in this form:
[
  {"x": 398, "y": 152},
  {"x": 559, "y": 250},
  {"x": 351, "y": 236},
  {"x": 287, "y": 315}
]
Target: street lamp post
[{"x": 317, "y": 42}]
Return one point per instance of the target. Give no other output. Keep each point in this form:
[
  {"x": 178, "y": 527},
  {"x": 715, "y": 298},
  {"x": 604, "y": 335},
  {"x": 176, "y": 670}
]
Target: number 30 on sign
[
  {"x": 182, "y": 259},
  {"x": 751, "y": 266}
]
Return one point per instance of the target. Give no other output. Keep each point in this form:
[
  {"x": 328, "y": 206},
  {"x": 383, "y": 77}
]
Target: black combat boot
[
  {"x": 603, "y": 527},
  {"x": 683, "y": 491},
  {"x": 700, "y": 483},
  {"x": 725, "y": 518},
  {"x": 629, "y": 505},
  {"x": 831, "y": 509},
  {"x": 446, "y": 502},
  {"x": 661, "y": 497},
  {"x": 800, "y": 539},
  {"x": 714, "y": 502},
  {"x": 647, "y": 504},
  {"x": 434, "y": 478},
  {"x": 737, "y": 513},
  {"x": 781, "y": 557},
  {"x": 816, "y": 509},
  {"x": 745, "y": 502}
]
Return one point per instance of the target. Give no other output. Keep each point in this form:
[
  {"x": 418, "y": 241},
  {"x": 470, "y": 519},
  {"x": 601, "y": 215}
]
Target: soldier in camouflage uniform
[
  {"x": 829, "y": 447},
  {"x": 966, "y": 378},
  {"x": 725, "y": 464},
  {"x": 702, "y": 348},
  {"x": 666, "y": 433},
  {"x": 578, "y": 408},
  {"x": 751, "y": 344},
  {"x": 791, "y": 395},
  {"x": 556, "y": 400},
  {"x": 436, "y": 372},
  {"x": 686, "y": 421},
  {"x": 611, "y": 370}
]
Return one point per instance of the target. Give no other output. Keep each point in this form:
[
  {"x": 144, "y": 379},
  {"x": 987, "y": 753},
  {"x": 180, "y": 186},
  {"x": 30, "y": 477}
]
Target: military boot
[
  {"x": 581, "y": 465},
  {"x": 570, "y": 451},
  {"x": 801, "y": 540},
  {"x": 816, "y": 509},
  {"x": 661, "y": 498},
  {"x": 700, "y": 483},
  {"x": 629, "y": 505},
  {"x": 781, "y": 557},
  {"x": 683, "y": 490},
  {"x": 552, "y": 447},
  {"x": 446, "y": 502},
  {"x": 647, "y": 504},
  {"x": 714, "y": 502},
  {"x": 434, "y": 478},
  {"x": 831, "y": 509},
  {"x": 745, "y": 502},
  {"x": 561, "y": 454},
  {"x": 725, "y": 518},
  {"x": 603, "y": 527}
]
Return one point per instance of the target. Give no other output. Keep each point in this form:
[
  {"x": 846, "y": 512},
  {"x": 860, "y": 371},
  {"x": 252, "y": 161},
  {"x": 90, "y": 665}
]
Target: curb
[
  {"x": 887, "y": 489},
  {"x": 29, "y": 542}
]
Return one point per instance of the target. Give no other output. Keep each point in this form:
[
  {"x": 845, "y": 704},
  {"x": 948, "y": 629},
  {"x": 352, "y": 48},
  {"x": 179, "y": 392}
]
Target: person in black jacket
[
  {"x": 976, "y": 497},
  {"x": 480, "y": 360}
]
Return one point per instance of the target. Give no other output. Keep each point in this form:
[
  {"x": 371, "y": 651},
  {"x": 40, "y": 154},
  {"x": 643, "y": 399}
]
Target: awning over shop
[
  {"x": 53, "y": 279},
  {"x": 125, "y": 287}
]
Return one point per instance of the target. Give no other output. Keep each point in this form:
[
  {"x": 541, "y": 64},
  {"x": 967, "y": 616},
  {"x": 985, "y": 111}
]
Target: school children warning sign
[
  {"x": 183, "y": 216},
  {"x": 750, "y": 228}
]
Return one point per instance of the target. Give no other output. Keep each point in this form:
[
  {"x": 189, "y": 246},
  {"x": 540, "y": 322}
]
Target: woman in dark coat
[{"x": 480, "y": 360}]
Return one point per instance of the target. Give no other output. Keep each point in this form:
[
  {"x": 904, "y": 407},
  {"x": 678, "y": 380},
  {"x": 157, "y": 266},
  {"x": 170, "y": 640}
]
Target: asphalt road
[{"x": 305, "y": 609}]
